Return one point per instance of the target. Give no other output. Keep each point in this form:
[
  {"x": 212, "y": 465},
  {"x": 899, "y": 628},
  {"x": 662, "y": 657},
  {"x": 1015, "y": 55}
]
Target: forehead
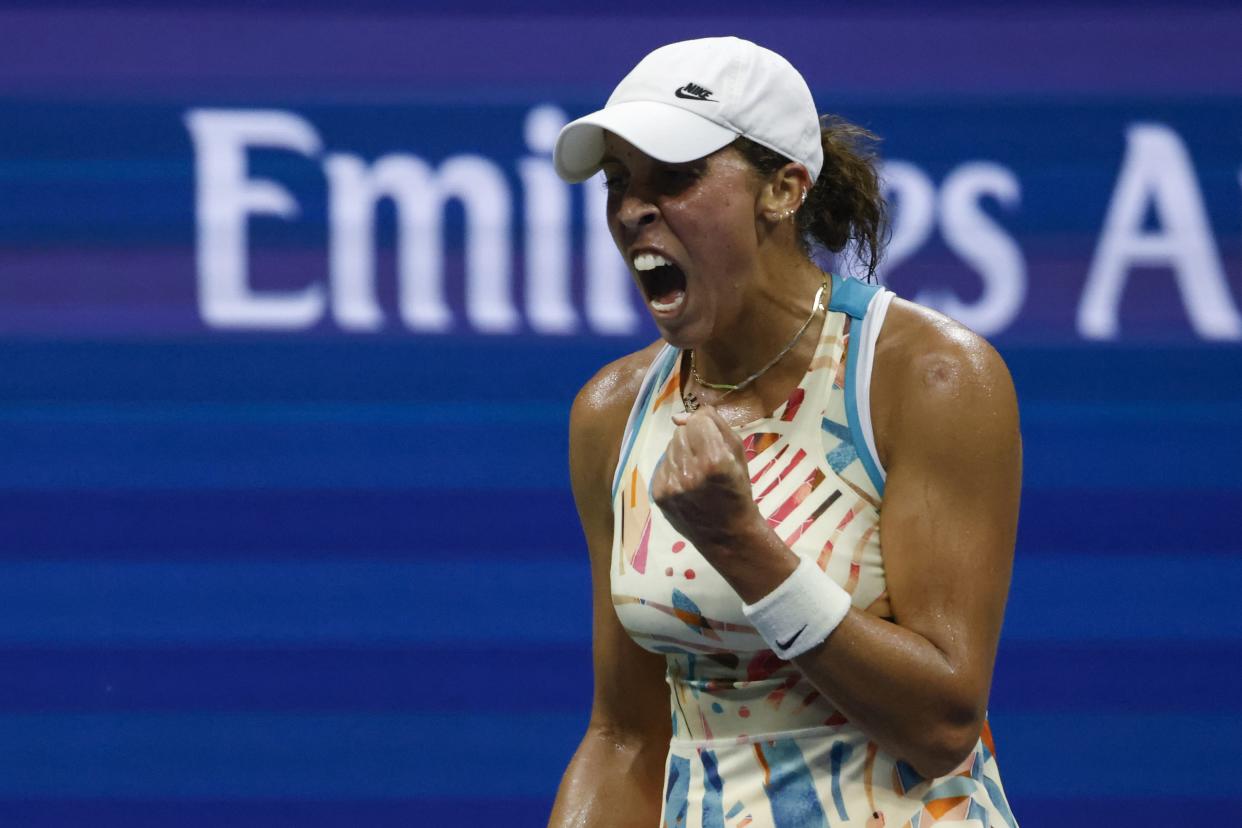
[{"x": 618, "y": 151}]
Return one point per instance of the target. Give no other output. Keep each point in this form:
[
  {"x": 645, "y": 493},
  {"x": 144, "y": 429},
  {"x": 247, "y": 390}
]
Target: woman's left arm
[{"x": 947, "y": 424}]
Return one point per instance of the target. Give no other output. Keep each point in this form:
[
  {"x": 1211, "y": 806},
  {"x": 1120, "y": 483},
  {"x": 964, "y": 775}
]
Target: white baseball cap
[{"x": 688, "y": 99}]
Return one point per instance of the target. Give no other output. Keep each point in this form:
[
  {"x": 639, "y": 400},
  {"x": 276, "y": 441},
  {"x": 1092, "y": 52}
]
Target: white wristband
[{"x": 801, "y": 612}]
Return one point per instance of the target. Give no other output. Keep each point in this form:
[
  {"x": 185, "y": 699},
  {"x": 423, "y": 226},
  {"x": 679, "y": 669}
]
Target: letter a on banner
[{"x": 1157, "y": 173}]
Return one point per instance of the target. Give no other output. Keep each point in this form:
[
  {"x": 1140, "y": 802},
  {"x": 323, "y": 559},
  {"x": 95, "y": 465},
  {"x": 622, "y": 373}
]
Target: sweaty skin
[{"x": 946, "y": 427}]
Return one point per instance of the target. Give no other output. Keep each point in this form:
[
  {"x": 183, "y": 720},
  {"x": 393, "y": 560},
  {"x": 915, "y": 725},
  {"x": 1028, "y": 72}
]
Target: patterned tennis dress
[{"x": 754, "y": 744}]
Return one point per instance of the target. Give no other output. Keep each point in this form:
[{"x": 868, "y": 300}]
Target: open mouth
[{"x": 664, "y": 283}]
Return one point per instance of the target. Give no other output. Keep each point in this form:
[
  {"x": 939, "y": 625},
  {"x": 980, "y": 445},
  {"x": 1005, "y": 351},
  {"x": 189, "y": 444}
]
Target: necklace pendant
[{"x": 691, "y": 402}]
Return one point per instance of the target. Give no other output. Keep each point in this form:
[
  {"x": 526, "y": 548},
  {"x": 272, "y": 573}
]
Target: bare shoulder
[
  {"x": 599, "y": 414},
  {"x": 923, "y": 344},
  {"x": 609, "y": 395},
  {"x": 932, "y": 373}
]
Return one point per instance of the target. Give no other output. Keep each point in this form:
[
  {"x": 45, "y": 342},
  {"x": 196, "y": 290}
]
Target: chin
[{"x": 682, "y": 333}]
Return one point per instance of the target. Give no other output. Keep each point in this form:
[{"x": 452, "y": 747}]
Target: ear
[{"x": 782, "y": 194}]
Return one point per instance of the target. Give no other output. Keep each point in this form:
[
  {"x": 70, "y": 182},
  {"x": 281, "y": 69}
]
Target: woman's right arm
[{"x": 616, "y": 776}]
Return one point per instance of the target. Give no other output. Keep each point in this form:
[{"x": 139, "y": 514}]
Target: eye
[
  {"x": 614, "y": 182},
  {"x": 678, "y": 178}
]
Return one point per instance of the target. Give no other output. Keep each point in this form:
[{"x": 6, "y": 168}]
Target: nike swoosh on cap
[{"x": 694, "y": 92}]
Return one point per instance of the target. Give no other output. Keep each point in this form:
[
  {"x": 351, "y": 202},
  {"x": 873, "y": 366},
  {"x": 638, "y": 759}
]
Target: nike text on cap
[{"x": 687, "y": 100}]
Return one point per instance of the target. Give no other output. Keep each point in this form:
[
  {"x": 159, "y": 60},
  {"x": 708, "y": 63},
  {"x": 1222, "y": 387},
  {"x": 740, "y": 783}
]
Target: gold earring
[{"x": 788, "y": 214}]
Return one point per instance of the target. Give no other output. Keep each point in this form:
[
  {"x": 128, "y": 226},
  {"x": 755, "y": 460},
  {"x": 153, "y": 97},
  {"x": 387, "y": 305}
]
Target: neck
[{"x": 774, "y": 313}]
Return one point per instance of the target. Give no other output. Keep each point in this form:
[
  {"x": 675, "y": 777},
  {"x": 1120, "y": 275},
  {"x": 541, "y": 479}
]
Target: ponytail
[{"x": 846, "y": 202}]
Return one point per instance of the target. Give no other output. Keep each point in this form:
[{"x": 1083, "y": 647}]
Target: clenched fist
[{"x": 702, "y": 484}]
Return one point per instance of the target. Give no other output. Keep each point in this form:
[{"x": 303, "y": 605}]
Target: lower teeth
[{"x": 668, "y": 306}]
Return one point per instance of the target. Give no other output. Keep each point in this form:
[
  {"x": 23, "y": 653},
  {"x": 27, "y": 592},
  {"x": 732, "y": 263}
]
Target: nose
[{"x": 636, "y": 212}]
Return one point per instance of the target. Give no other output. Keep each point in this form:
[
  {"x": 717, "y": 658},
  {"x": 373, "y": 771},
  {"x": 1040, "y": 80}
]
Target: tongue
[{"x": 669, "y": 297}]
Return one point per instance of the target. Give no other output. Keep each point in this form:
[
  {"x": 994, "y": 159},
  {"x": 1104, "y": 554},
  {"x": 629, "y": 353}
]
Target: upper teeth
[{"x": 649, "y": 261}]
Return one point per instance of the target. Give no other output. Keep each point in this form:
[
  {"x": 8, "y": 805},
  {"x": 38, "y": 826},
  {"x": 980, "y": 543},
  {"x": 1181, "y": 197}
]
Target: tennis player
[{"x": 801, "y": 502}]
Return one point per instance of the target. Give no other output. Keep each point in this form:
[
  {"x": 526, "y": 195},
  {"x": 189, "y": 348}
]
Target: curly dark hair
[{"x": 846, "y": 202}]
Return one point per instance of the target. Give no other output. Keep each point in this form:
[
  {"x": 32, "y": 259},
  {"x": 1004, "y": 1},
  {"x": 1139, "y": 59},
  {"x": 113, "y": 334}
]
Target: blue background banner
[
  {"x": 292, "y": 311},
  {"x": 1119, "y": 224}
]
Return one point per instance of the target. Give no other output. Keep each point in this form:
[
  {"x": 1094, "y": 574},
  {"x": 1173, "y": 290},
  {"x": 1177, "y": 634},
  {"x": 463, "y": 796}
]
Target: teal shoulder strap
[
  {"x": 854, "y": 297},
  {"x": 851, "y": 296}
]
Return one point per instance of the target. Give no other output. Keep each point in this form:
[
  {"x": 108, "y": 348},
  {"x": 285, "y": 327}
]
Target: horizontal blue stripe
[
  {"x": 509, "y": 412},
  {"x": 86, "y": 169},
  {"x": 511, "y": 678},
  {"x": 1106, "y": 755},
  {"x": 1083, "y": 812},
  {"x": 311, "y": 812},
  {"x": 1118, "y": 522},
  {"x": 1058, "y": 380},
  {"x": 1100, "y": 374},
  {"x": 1053, "y": 598},
  {"x": 1107, "y": 456},
  {"x": 1123, "y": 598},
  {"x": 1071, "y": 677},
  {"x": 527, "y": 678},
  {"x": 303, "y": 525},
  {"x": 1094, "y": 810},
  {"x": 361, "y": 756},
  {"x": 253, "y": 604},
  {"x": 336, "y": 455},
  {"x": 431, "y": 523},
  {"x": 310, "y": 756},
  {"x": 1131, "y": 414},
  {"x": 546, "y": 413},
  {"x": 238, "y": 368},
  {"x": 472, "y": 446},
  {"x": 245, "y": 414}
]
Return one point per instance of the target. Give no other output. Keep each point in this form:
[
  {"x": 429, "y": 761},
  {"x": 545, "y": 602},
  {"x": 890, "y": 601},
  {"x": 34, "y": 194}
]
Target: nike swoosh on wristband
[{"x": 785, "y": 645}]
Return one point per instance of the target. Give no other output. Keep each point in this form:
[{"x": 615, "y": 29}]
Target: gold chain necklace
[{"x": 691, "y": 402}]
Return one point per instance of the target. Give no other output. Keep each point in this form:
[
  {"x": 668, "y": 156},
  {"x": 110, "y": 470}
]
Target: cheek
[{"x": 721, "y": 225}]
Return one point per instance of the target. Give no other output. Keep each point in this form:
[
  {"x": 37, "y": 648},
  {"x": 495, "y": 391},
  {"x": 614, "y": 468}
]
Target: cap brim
[{"x": 663, "y": 131}]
